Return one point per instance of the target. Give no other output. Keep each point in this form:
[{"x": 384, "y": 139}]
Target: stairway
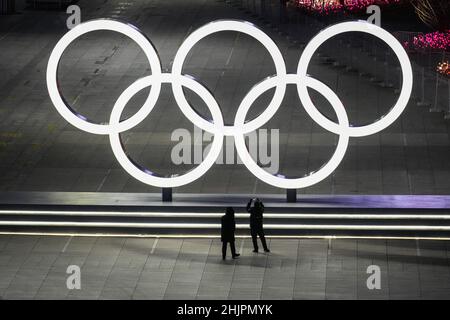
[{"x": 192, "y": 221}]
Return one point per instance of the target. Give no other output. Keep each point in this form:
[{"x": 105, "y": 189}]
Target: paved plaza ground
[{"x": 34, "y": 267}]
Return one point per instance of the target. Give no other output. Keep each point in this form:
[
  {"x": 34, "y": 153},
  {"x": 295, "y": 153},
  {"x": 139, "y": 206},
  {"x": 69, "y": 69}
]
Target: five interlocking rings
[{"x": 216, "y": 126}]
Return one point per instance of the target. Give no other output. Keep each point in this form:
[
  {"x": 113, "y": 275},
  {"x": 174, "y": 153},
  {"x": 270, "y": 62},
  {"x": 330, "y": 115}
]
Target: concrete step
[
  {"x": 184, "y": 221},
  {"x": 199, "y": 214}
]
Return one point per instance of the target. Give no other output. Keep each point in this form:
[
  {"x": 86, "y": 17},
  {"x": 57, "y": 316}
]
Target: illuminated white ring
[
  {"x": 144, "y": 175},
  {"x": 238, "y": 26},
  {"x": 314, "y": 177},
  {"x": 405, "y": 64},
  {"x": 217, "y": 126},
  {"x": 64, "y": 108}
]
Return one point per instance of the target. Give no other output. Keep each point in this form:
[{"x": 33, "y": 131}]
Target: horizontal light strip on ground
[
  {"x": 217, "y": 226},
  {"x": 218, "y": 215},
  {"x": 193, "y": 236}
]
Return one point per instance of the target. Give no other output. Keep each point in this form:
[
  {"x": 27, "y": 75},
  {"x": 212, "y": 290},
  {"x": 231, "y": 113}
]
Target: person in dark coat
[
  {"x": 256, "y": 209},
  {"x": 227, "y": 233}
]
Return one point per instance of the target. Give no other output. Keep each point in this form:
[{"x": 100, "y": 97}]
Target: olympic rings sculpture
[{"x": 216, "y": 126}]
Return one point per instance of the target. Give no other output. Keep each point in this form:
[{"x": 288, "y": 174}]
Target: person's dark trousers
[
  {"x": 255, "y": 235},
  {"x": 224, "y": 249}
]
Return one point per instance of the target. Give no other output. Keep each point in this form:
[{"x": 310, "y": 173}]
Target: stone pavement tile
[
  {"x": 51, "y": 179},
  {"x": 117, "y": 293},
  {"x": 40, "y": 260},
  {"x": 404, "y": 278},
  {"x": 50, "y": 244},
  {"x": 190, "y": 263},
  {"x": 404, "y": 286},
  {"x": 217, "y": 276},
  {"x": 244, "y": 294},
  {"x": 275, "y": 279},
  {"x": 27, "y": 273},
  {"x": 161, "y": 262},
  {"x": 187, "y": 277},
  {"x": 251, "y": 263},
  {"x": 402, "y": 256},
  {"x": 434, "y": 269},
  {"x": 11, "y": 260},
  {"x": 24, "y": 286},
  {"x": 280, "y": 277},
  {"x": 122, "y": 278},
  {"x": 126, "y": 271},
  {"x": 167, "y": 244},
  {"x": 434, "y": 288},
  {"x": 247, "y": 281},
  {"x": 21, "y": 244},
  {"x": 212, "y": 296},
  {"x": 155, "y": 276},
  {"x": 207, "y": 290},
  {"x": 92, "y": 274},
  {"x": 188, "y": 270},
  {"x": 214, "y": 262},
  {"x": 5, "y": 281},
  {"x": 106, "y": 245},
  {"x": 181, "y": 290},
  {"x": 164, "y": 256},
  {"x": 51, "y": 293},
  {"x": 92, "y": 280},
  {"x": 104, "y": 261},
  {"x": 85, "y": 293},
  {"x": 4, "y": 239},
  {"x": 137, "y": 246},
  {"x": 310, "y": 277},
  {"x": 115, "y": 181},
  {"x": 140, "y": 294},
  {"x": 276, "y": 293},
  {"x": 372, "y": 252},
  {"x": 363, "y": 292},
  {"x": 341, "y": 285},
  {"x": 89, "y": 180},
  {"x": 65, "y": 260},
  {"x": 81, "y": 245},
  {"x": 19, "y": 294},
  {"x": 53, "y": 287},
  {"x": 149, "y": 290},
  {"x": 309, "y": 289}
]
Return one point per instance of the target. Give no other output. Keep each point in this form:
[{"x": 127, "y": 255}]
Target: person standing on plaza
[
  {"x": 227, "y": 233},
  {"x": 256, "y": 209}
]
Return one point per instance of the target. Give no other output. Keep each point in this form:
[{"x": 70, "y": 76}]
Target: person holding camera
[
  {"x": 256, "y": 209},
  {"x": 227, "y": 233}
]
